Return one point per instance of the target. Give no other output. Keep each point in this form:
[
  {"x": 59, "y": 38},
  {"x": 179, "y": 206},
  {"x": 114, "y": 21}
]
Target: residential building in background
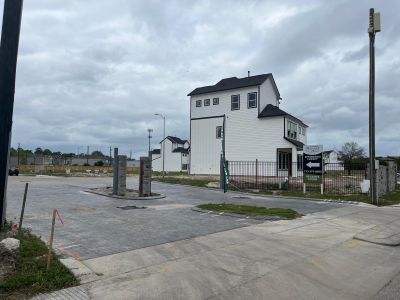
[
  {"x": 176, "y": 157},
  {"x": 255, "y": 126}
]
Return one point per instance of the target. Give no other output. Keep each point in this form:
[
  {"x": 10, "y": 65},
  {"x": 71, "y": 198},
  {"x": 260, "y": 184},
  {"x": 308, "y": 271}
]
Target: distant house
[
  {"x": 176, "y": 157},
  {"x": 331, "y": 161},
  {"x": 255, "y": 126}
]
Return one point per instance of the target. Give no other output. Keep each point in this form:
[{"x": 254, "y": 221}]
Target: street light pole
[
  {"x": 374, "y": 26},
  {"x": 162, "y": 145}
]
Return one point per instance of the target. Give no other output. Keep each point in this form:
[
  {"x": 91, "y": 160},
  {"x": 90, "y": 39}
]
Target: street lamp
[
  {"x": 162, "y": 145},
  {"x": 149, "y": 131},
  {"x": 374, "y": 26}
]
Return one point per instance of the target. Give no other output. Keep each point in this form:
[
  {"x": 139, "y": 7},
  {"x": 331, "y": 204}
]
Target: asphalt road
[{"x": 95, "y": 227}]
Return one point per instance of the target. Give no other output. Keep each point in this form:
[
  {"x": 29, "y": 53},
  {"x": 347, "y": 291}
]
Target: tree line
[{"x": 40, "y": 151}]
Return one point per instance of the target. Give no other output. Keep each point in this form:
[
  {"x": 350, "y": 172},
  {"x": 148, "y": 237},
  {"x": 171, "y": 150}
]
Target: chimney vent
[{"x": 248, "y": 73}]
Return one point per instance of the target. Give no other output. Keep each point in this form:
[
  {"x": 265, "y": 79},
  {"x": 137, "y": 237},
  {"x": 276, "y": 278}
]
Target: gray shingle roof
[
  {"x": 231, "y": 83},
  {"x": 175, "y": 139},
  {"x": 156, "y": 151},
  {"x": 274, "y": 111},
  {"x": 298, "y": 144},
  {"x": 181, "y": 150}
]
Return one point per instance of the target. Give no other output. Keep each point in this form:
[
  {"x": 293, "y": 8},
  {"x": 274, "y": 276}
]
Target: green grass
[
  {"x": 31, "y": 276},
  {"x": 388, "y": 199},
  {"x": 251, "y": 211},
  {"x": 185, "y": 181}
]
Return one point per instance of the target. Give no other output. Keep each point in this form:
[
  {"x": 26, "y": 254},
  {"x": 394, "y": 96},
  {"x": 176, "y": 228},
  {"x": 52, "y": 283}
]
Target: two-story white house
[
  {"x": 176, "y": 157},
  {"x": 255, "y": 127}
]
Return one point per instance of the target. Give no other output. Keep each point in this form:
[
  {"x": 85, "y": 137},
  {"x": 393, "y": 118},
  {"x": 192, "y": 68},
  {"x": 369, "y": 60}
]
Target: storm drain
[
  {"x": 241, "y": 197},
  {"x": 131, "y": 207}
]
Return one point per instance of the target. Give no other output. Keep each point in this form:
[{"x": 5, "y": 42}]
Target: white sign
[{"x": 312, "y": 149}]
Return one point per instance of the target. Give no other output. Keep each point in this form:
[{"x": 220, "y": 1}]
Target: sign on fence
[{"x": 312, "y": 164}]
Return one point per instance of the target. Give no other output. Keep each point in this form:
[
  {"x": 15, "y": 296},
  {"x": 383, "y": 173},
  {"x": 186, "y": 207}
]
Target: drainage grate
[
  {"x": 241, "y": 197},
  {"x": 131, "y": 207}
]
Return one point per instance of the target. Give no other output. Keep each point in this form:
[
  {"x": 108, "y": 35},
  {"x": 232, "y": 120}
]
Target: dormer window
[{"x": 292, "y": 130}]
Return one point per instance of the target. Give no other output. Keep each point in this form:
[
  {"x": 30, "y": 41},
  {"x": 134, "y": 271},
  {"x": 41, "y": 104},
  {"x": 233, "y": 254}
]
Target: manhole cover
[
  {"x": 131, "y": 207},
  {"x": 241, "y": 197}
]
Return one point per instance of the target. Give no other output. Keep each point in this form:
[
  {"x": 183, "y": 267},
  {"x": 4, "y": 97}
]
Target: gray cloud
[{"x": 95, "y": 72}]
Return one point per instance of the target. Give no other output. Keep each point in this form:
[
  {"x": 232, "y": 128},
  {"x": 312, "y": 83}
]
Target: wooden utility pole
[{"x": 8, "y": 64}]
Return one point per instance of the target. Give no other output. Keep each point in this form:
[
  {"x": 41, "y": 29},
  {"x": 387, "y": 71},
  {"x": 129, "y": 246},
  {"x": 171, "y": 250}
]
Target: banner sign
[{"x": 312, "y": 164}]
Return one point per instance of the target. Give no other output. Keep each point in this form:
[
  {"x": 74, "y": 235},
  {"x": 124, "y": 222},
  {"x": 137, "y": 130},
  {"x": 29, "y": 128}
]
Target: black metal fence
[{"x": 339, "y": 178}]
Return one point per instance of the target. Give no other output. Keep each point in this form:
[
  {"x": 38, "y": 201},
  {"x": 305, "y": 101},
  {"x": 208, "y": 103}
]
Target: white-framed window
[
  {"x": 184, "y": 167},
  {"x": 235, "y": 102},
  {"x": 252, "y": 100},
  {"x": 292, "y": 130},
  {"x": 198, "y": 103},
  {"x": 283, "y": 160},
  {"x": 206, "y": 102},
  {"x": 215, "y": 101},
  {"x": 219, "y": 132}
]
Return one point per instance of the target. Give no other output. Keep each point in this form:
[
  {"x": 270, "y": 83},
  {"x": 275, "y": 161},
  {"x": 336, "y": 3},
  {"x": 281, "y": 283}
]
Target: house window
[
  {"x": 251, "y": 100},
  {"x": 283, "y": 160},
  {"x": 219, "y": 132},
  {"x": 304, "y": 131},
  {"x": 292, "y": 130},
  {"x": 184, "y": 167},
  {"x": 215, "y": 101},
  {"x": 300, "y": 162},
  {"x": 198, "y": 103},
  {"x": 206, "y": 102},
  {"x": 235, "y": 102}
]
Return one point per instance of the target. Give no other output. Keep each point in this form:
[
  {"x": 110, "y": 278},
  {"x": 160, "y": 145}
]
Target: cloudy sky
[{"x": 95, "y": 72}]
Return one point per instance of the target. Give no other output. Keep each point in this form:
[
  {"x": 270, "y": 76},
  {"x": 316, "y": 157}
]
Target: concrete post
[{"x": 115, "y": 172}]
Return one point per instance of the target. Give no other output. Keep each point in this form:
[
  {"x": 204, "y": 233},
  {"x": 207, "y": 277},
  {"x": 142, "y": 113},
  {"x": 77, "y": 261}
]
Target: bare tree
[{"x": 351, "y": 151}]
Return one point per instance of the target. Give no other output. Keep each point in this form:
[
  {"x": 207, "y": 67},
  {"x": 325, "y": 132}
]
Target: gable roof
[
  {"x": 156, "y": 151},
  {"x": 232, "y": 83},
  {"x": 274, "y": 111},
  {"x": 298, "y": 144},
  {"x": 175, "y": 139}
]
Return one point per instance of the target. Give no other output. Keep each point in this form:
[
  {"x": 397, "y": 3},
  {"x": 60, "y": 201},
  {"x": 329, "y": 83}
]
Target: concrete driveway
[{"x": 96, "y": 227}]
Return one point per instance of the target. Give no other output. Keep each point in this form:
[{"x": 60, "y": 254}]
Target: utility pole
[
  {"x": 149, "y": 131},
  {"x": 162, "y": 145},
  {"x": 374, "y": 26},
  {"x": 87, "y": 155},
  {"x": 110, "y": 157},
  {"x": 19, "y": 148},
  {"x": 12, "y": 14}
]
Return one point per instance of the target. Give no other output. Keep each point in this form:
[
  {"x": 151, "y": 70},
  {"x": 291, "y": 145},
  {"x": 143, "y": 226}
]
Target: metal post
[
  {"x": 19, "y": 147},
  {"x": 23, "y": 208},
  {"x": 371, "y": 31},
  {"x": 87, "y": 155},
  {"x": 163, "y": 150},
  {"x": 12, "y": 14},
  {"x": 53, "y": 223}
]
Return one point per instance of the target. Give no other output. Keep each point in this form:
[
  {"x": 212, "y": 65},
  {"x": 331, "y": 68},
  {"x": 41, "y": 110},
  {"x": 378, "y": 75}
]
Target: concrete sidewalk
[{"x": 315, "y": 257}]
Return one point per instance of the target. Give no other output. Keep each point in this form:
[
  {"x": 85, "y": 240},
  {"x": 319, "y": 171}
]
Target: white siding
[
  {"x": 157, "y": 162},
  {"x": 268, "y": 95},
  {"x": 205, "y": 147}
]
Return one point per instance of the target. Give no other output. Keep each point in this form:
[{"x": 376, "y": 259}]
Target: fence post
[
  {"x": 256, "y": 173},
  {"x": 289, "y": 173}
]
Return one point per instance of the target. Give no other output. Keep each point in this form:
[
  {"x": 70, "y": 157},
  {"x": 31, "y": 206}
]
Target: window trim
[
  {"x": 215, "y": 102},
  {"x": 248, "y": 100},
  {"x": 198, "y": 103},
  {"x": 216, "y": 132},
  {"x": 207, "y": 101},
  {"x": 238, "y": 100}
]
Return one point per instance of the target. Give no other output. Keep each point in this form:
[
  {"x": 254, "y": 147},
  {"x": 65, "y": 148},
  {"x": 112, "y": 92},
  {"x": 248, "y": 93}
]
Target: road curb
[{"x": 160, "y": 196}]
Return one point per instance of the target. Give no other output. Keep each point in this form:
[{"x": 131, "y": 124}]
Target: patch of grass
[
  {"x": 251, "y": 211},
  {"x": 388, "y": 199},
  {"x": 31, "y": 276},
  {"x": 185, "y": 181}
]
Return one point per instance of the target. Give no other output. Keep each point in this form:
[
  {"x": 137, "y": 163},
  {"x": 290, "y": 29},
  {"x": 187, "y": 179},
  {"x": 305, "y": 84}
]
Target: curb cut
[
  {"x": 160, "y": 196},
  {"x": 270, "y": 218}
]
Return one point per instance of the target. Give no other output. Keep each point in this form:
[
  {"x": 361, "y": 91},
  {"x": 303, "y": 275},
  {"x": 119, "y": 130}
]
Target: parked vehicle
[{"x": 13, "y": 172}]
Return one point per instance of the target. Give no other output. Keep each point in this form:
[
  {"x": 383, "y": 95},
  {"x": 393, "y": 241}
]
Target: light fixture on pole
[
  {"x": 162, "y": 145},
  {"x": 149, "y": 131},
  {"x": 374, "y": 26}
]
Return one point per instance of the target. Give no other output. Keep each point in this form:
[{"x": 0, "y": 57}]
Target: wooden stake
[
  {"x": 23, "y": 209},
  {"x": 53, "y": 222}
]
